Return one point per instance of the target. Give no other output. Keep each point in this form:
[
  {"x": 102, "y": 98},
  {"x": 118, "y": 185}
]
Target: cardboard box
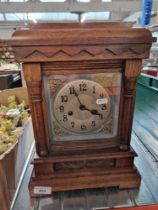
[
  {"x": 21, "y": 94},
  {"x": 13, "y": 160}
]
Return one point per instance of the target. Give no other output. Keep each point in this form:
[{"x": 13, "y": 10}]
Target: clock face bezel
[
  {"x": 70, "y": 137},
  {"x": 85, "y": 110}
]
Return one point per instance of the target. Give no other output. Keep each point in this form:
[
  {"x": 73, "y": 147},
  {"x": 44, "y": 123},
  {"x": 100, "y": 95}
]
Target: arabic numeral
[
  {"x": 65, "y": 119},
  {"x": 93, "y": 124},
  {"x": 101, "y": 116},
  {"x": 93, "y": 89},
  {"x": 103, "y": 107},
  {"x": 83, "y": 127},
  {"x": 61, "y": 108},
  {"x": 83, "y": 87},
  {"x": 64, "y": 99},
  {"x": 72, "y": 90},
  {"x": 72, "y": 124},
  {"x": 101, "y": 95}
]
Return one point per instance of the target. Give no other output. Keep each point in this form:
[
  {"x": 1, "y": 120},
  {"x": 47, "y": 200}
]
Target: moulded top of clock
[
  {"x": 81, "y": 33},
  {"x": 80, "y": 41}
]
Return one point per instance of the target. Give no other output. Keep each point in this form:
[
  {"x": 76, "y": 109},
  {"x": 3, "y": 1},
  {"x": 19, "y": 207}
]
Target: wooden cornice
[{"x": 75, "y": 42}]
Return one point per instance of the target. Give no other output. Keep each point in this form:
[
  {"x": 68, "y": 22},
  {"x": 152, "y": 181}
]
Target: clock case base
[{"x": 119, "y": 171}]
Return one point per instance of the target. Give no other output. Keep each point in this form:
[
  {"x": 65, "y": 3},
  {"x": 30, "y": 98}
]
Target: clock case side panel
[
  {"x": 61, "y": 147},
  {"x": 33, "y": 77},
  {"x": 131, "y": 72}
]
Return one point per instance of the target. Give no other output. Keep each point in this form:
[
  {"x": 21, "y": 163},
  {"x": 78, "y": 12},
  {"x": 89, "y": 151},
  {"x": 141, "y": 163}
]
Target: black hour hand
[{"x": 94, "y": 112}]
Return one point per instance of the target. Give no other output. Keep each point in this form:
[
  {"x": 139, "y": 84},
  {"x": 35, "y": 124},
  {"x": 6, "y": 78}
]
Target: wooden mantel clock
[{"x": 81, "y": 80}]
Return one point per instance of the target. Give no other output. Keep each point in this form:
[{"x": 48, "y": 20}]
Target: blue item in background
[{"x": 146, "y": 12}]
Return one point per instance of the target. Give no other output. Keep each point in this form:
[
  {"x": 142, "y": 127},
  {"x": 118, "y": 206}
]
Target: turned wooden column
[
  {"x": 32, "y": 74},
  {"x": 130, "y": 76}
]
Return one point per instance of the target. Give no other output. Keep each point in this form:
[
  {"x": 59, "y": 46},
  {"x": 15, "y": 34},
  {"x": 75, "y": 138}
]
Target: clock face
[{"x": 81, "y": 106}]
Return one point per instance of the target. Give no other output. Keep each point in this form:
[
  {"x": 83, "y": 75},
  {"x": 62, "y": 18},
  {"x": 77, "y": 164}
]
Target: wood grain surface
[{"x": 81, "y": 49}]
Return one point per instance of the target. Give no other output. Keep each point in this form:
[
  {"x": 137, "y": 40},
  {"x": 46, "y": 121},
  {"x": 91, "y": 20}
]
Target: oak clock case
[
  {"x": 81, "y": 81},
  {"x": 82, "y": 106}
]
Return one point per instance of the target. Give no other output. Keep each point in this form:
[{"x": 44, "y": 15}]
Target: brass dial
[{"x": 81, "y": 106}]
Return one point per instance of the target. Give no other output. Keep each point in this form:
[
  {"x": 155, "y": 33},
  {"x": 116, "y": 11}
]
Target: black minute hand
[
  {"x": 78, "y": 98},
  {"x": 82, "y": 106}
]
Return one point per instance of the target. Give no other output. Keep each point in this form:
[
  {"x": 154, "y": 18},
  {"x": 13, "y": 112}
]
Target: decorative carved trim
[
  {"x": 78, "y": 52},
  {"x": 85, "y": 52}
]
